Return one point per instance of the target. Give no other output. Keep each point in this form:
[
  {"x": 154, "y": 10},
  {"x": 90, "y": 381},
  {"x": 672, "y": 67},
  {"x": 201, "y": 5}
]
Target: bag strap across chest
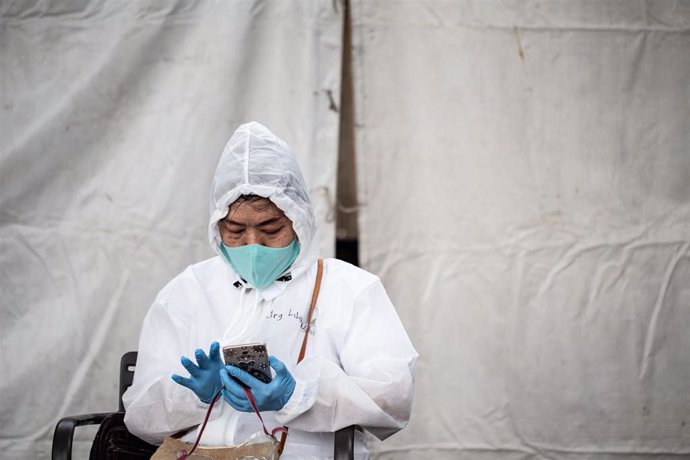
[{"x": 314, "y": 298}]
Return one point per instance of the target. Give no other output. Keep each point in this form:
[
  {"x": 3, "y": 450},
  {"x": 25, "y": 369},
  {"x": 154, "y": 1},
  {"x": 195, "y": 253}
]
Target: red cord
[
  {"x": 252, "y": 401},
  {"x": 183, "y": 455}
]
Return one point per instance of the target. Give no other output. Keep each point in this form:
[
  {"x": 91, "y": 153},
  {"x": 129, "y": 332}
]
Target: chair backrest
[
  {"x": 127, "y": 365},
  {"x": 344, "y": 443}
]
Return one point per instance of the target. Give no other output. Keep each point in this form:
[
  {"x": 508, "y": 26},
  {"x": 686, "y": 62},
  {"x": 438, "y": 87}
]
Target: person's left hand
[{"x": 268, "y": 396}]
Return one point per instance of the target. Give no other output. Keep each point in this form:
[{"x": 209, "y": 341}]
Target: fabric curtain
[
  {"x": 524, "y": 190},
  {"x": 113, "y": 118}
]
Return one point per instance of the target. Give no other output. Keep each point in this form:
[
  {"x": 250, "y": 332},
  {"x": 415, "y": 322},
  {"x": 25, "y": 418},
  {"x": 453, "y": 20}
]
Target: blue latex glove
[
  {"x": 268, "y": 396},
  {"x": 204, "y": 378}
]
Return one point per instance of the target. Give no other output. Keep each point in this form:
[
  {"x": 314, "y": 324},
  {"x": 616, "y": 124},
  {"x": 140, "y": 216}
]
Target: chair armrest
[
  {"x": 344, "y": 443},
  {"x": 64, "y": 431}
]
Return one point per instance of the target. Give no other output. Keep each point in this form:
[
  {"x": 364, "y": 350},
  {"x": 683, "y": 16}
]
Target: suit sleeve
[
  {"x": 372, "y": 386},
  {"x": 155, "y": 405}
]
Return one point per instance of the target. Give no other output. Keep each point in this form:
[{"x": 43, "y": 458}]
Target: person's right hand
[
  {"x": 268, "y": 396},
  {"x": 204, "y": 378}
]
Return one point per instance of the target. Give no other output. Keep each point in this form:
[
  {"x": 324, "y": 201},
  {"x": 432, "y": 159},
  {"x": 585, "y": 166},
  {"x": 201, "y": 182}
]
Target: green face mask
[{"x": 260, "y": 265}]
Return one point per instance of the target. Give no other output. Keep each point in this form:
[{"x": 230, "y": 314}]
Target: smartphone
[{"x": 251, "y": 357}]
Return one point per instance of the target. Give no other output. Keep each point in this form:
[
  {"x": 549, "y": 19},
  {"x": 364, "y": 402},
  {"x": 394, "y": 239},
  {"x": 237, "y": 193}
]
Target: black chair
[
  {"x": 113, "y": 427},
  {"x": 113, "y": 441}
]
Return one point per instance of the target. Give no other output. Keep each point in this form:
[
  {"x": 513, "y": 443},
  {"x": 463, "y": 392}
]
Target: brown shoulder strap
[
  {"x": 303, "y": 350},
  {"x": 314, "y": 297}
]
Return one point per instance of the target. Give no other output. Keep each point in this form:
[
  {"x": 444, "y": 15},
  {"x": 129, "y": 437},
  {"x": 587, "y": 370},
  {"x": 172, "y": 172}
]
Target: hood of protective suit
[{"x": 256, "y": 162}]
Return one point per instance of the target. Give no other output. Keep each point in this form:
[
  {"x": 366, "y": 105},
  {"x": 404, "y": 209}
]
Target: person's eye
[
  {"x": 271, "y": 231},
  {"x": 233, "y": 229}
]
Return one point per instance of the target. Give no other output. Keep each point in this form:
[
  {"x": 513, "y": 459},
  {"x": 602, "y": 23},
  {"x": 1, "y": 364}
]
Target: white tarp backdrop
[
  {"x": 524, "y": 174},
  {"x": 524, "y": 179},
  {"x": 113, "y": 117}
]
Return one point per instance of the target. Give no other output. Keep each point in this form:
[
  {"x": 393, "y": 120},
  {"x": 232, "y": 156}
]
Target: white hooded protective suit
[{"x": 359, "y": 365}]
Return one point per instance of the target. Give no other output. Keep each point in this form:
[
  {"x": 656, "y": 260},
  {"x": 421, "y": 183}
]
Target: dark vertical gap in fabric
[{"x": 347, "y": 230}]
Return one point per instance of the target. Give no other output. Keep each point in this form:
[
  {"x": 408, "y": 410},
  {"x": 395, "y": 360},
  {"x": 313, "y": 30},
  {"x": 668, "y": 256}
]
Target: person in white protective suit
[{"x": 359, "y": 363}]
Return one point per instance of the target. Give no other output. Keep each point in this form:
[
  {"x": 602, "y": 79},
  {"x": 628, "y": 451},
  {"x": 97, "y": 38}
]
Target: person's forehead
[{"x": 254, "y": 209}]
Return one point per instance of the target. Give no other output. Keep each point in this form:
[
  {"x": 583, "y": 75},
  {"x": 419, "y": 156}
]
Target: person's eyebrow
[
  {"x": 270, "y": 221},
  {"x": 264, "y": 223}
]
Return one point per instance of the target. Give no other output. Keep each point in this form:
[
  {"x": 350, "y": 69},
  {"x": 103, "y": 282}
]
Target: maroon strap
[
  {"x": 183, "y": 454},
  {"x": 252, "y": 401}
]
